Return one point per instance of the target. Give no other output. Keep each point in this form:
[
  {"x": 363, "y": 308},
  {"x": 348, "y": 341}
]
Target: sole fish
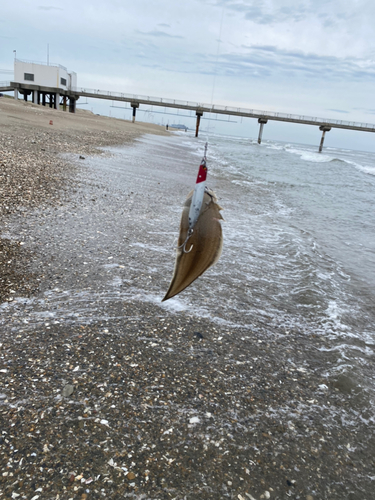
[{"x": 202, "y": 249}]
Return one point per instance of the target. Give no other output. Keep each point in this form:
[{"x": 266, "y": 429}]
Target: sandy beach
[
  {"x": 104, "y": 394},
  {"x": 32, "y": 173}
]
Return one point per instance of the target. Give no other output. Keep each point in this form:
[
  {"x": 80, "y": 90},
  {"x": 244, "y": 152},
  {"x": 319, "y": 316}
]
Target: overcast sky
[{"x": 308, "y": 57}]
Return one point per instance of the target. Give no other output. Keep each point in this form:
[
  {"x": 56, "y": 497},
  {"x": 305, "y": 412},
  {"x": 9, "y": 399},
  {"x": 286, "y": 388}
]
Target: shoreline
[
  {"x": 34, "y": 175},
  {"x": 105, "y": 395}
]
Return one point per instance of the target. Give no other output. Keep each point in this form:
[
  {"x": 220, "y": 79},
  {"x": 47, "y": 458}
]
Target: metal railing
[
  {"x": 135, "y": 97},
  {"x": 222, "y": 109},
  {"x": 42, "y": 63}
]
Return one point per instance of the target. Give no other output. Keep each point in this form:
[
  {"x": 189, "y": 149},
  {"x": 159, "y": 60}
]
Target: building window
[
  {"x": 29, "y": 77},
  {"x": 62, "y": 81}
]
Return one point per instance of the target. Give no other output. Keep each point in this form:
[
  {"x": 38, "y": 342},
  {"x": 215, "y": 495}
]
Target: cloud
[
  {"x": 49, "y": 7},
  {"x": 337, "y": 110},
  {"x": 262, "y": 61},
  {"x": 158, "y": 34},
  {"x": 280, "y": 11},
  {"x": 261, "y": 12}
]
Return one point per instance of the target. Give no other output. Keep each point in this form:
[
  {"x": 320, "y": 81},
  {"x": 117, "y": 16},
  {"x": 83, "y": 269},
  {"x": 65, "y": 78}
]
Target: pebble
[
  {"x": 194, "y": 420},
  {"x": 67, "y": 391}
]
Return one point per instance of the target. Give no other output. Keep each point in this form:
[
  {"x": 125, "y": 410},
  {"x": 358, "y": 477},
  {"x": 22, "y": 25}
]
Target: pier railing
[
  {"x": 227, "y": 110},
  {"x": 136, "y": 100},
  {"x": 5, "y": 86}
]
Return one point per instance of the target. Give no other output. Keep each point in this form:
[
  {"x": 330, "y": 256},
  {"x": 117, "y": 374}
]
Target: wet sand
[
  {"x": 107, "y": 395},
  {"x": 32, "y": 173}
]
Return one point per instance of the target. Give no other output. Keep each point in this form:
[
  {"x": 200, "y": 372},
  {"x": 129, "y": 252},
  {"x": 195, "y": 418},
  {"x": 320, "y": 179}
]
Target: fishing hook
[{"x": 183, "y": 246}]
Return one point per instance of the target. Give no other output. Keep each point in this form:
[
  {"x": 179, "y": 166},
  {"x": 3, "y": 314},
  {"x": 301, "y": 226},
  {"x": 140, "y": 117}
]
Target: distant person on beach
[{"x": 167, "y": 126}]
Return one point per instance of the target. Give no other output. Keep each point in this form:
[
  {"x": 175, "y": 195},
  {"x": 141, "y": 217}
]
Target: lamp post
[{"x": 15, "y": 54}]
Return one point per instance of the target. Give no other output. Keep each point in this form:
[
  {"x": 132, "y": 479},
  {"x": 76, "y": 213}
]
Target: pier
[{"x": 135, "y": 101}]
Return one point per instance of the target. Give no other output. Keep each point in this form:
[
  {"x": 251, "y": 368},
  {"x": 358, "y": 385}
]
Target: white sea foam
[
  {"x": 242, "y": 183},
  {"x": 366, "y": 169},
  {"x": 276, "y": 147},
  {"x": 309, "y": 155},
  {"x": 314, "y": 157}
]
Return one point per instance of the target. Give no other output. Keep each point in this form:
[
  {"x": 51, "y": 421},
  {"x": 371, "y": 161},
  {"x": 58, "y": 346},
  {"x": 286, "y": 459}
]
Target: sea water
[
  {"x": 298, "y": 252},
  {"x": 299, "y": 242}
]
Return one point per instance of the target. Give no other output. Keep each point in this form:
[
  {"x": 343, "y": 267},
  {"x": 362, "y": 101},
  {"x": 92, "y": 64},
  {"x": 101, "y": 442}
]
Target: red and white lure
[{"x": 197, "y": 199}]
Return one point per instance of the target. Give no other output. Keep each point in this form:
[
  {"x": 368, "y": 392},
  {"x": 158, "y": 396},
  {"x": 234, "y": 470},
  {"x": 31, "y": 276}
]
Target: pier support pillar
[
  {"x": 262, "y": 122},
  {"x": 43, "y": 99},
  {"x": 25, "y": 96},
  {"x": 199, "y": 114},
  {"x": 134, "y": 105},
  {"x": 16, "y": 94},
  {"x": 324, "y": 129},
  {"x": 35, "y": 97},
  {"x": 57, "y": 101},
  {"x": 51, "y": 100},
  {"x": 72, "y": 105},
  {"x": 64, "y": 103}
]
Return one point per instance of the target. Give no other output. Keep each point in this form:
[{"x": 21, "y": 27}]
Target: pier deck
[{"x": 325, "y": 124}]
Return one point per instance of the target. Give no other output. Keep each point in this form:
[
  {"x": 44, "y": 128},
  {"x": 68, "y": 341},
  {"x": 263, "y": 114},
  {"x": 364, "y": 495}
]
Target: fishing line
[
  {"x": 215, "y": 69},
  {"x": 197, "y": 198},
  {"x": 203, "y": 251}
]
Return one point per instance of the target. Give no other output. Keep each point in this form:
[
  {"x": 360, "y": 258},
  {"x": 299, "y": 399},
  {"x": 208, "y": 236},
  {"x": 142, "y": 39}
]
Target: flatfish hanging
[{"x": 200, "y": 240}]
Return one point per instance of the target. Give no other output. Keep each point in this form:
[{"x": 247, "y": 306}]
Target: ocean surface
[
  {"x": 299, "y": 243},
  {"x": 298, "y": 253}
]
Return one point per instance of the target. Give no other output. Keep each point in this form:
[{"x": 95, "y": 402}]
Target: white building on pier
[
  {"x": 46, "y": 83},
  {"x": 44, "y": 75}
]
